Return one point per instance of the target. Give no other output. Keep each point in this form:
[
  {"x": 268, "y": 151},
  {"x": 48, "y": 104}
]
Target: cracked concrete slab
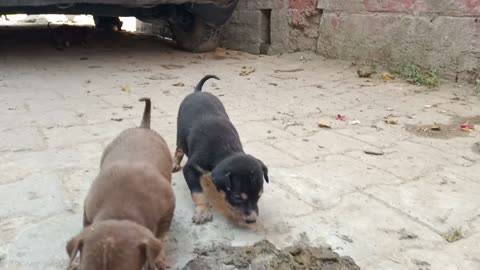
[{"x": 387, "y": 211}]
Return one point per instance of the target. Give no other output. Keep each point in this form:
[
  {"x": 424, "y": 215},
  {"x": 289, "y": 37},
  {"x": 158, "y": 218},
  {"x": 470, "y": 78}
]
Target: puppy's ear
[
  {"x": 222, "y": 180},
  {"x": 73, "y": 247},
  {"x": 154, "y": 253},
  {"x": 264, "y": 170}
]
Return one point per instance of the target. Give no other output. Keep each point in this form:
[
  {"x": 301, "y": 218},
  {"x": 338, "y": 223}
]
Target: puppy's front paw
[
  {"x": 202, "y": 215},
  {"x": 176, "y": 167}
]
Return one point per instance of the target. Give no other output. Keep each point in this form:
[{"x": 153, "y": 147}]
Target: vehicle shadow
[{"x": 41, "y": 41}]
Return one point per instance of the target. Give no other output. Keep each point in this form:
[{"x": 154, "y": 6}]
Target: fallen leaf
[
  {"x": 179, "y": 84},
  {"x": 454, "y": 235},
  {"x": 117, "y": 119},
  {"x": 391, "y": 121},
  {"x": 320, "y": 125},
  {"x": 341, "y": 117},
  {"x": 387, "y": 77},
  {"x": 435, "y": 128},
  {"x": 374, "y": 152},
  {"x": 125, "y": 88},
  {"x": 247, "y": 71}
]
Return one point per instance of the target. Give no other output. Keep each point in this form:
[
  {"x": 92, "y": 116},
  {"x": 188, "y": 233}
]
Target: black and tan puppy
[
  {"x": 212, "y": 145},
  {"x": 130, "y": 205}
]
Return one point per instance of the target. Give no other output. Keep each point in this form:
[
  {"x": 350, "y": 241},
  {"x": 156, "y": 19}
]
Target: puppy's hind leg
[
  {"x": 177, "y": 159},
  {"x": 202, "y": 214}
]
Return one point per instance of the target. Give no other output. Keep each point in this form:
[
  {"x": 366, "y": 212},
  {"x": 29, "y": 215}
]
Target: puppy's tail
[
  {"x": 146, "y": 113},
  {"x": 199, "y": 86}
]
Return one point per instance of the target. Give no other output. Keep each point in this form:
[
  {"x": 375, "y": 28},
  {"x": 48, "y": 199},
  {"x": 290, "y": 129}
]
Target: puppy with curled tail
[{"x": 211, "y": 142}]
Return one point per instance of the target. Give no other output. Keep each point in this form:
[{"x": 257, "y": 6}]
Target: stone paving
[{"x": 394, "y": 210}]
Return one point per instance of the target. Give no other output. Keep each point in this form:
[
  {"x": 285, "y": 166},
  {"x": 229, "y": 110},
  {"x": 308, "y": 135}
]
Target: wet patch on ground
[
  {"x": 265, "y": 256},
  {"x": 451, "y": 130},
  {"x": 476, "y": 148}
]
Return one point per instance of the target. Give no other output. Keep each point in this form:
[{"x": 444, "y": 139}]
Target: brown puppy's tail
[
  {"x": 146, "y": 113},
  {"x": 199, "y": 86}
]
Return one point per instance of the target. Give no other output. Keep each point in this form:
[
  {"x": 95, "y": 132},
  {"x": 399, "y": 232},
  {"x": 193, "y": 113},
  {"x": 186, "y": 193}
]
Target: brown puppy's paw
[
  {"x": 176, "y": 167},
  {"x": 202, "y": 215}
]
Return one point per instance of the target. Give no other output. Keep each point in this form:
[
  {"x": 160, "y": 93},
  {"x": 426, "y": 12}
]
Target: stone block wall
[{"x": 436, "y": 34}]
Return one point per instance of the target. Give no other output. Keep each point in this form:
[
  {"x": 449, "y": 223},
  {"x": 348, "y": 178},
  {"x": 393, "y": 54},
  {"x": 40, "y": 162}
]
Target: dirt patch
[
  {"x": 444, "y": 131},
  {"x": 264, "y": 256}
]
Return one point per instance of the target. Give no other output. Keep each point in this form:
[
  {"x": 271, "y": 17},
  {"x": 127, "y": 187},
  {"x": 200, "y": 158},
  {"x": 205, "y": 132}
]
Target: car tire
[
  {"x": 197, "y": 36},
  {"x": 108, "y": 23}
]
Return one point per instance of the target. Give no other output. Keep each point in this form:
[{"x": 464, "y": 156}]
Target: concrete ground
[{"x": 394, "y": 210}]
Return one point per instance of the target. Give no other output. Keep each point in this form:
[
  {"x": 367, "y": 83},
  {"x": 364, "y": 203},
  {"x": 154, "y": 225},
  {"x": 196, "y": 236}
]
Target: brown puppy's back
[{"x": 134, "y": 182}]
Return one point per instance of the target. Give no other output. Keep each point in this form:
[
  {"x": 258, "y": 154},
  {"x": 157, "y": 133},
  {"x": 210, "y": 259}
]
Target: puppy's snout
[
  {"x": 251, "y": 217},
  {"x": 250, "y": 221}
]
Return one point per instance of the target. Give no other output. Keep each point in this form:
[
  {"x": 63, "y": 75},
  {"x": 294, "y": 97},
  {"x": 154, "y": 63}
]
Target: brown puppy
[{"x": 130, "y": 204}]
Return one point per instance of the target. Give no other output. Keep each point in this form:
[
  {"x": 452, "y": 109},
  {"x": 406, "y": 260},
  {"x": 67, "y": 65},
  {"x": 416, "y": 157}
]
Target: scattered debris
[
  {"x": 264, "y": 255},
  {"x": 288, "y": 70},
  {"x": 428, "y": 106},
  {"x": 422, "y": 265},
  {"x": 454, "y": 235},
  {"x": 387, "y": 77},
  {"x": 406, "y": 235},
  {"x": 341, "y": 117},
  {"x": 179, "y": 84},
  {"x": 366, "y": 72},
  {"x": 391, "y": 121},
  {"x": 282, "y": 76},
  {"x": 127, "y": 107},
  {"x": 117, "y": 119},
  {"x": 374, "y": 152},
  {"x": 354, "y": 122},
  {"x": 88, "y": 81},
  {"x": 172, "y": 66},
  {"x": 320, "y": 125},
  {"x": 161, "y": 77},
  {"x": 125, "y": 88},
  {"x": 467, "y": 127},
  {"x": 458, "y": 127},
  {"x": 274, "y": 84},
  {"x": 247, "y": 71},
  {"x": 345, "y": 238}
]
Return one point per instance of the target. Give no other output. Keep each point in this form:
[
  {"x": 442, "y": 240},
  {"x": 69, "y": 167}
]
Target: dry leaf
[
  {"x": 391, "y": 121},
  {"x": 373, "y": 152},
  {"x": 179, "y": 84},
  {"x": 387, "y": 76},
  {"x": 320, "y": 125},
  {"x": 125, "y": 88},
  {"x": 247, "y": 71}
]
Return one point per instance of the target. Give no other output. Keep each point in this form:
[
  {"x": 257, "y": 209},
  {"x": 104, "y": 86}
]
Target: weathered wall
[{"x": 435, "y": 34}]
